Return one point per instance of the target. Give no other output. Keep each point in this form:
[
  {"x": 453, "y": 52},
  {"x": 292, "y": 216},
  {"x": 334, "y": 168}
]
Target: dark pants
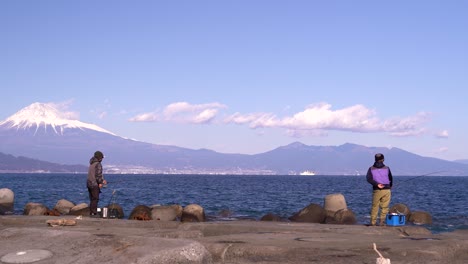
[{"x": 93, "y": 199}]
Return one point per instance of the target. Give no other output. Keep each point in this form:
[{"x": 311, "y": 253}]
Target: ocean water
[{"x": 243, "y": 196}]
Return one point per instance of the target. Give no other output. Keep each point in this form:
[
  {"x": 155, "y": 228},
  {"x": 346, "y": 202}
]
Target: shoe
[{"x": 94, "y": 216}]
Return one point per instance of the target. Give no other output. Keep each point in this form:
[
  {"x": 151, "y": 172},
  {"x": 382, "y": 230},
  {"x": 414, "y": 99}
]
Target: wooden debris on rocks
[{"x": 61, "y": 222}]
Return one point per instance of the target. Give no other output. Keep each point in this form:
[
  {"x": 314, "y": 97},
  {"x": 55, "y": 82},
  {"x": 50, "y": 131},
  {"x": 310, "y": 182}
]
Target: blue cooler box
[{"x": 395, "y": 219}]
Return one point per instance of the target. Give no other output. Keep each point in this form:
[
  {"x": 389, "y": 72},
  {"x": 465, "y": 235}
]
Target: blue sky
[{"x": 246, "y": 76}]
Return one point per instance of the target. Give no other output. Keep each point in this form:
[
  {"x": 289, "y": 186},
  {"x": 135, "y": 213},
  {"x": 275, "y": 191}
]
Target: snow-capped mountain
[
  {"x": 44, "y": 132},
  {"x": 46, "y": 116}
]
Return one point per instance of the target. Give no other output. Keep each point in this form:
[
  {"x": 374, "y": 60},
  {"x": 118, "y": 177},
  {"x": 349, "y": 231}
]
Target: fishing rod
[
  {"x": 410, "y": 179},
  {"x": 119, "y": 181},
  {"x": 427, "y": 174},
  {"x": 109, "y": 211},
  {"x": 112, "y": 198}
]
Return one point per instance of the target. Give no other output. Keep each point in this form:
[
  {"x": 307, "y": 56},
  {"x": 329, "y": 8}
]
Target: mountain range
[
  {"x": 9, "y": 163},
  {"x": 42, "y": 133}
]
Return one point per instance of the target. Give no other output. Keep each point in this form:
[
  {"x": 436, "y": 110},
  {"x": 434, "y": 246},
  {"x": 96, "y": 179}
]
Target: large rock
[
  {"x": 313, "y": 213},
  {"x": 332, "y": 204},
  {"x": 193, "y": 213},
  {"x": 80, "y": 209},
  {"x": 343, "y": 217},
  {"x": 178, "y": 208},
  {"x": 400, "y": 209},
  {"x": 420, "y": 218},
  {"x": 63, "y": 206},
  {"x": 7, "y": 200},
  {"x": 6, "y": 196},
  {"x": 164, "y": 213},
  {"x": 52, "y": 212},
  {"x": 115, "y": 211},
  {"x": 271, "y": 217},
  {"x": 335, "y": 202},
  {"x": 35, "y": 209},
  {"x": 140, "y": 212}
]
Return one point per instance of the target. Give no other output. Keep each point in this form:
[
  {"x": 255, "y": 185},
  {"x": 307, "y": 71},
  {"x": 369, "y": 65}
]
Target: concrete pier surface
[{"x": 29, "y": 239}]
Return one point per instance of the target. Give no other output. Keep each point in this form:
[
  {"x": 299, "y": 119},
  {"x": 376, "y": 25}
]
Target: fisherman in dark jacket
[
  {"x": 95, "y": 181},
  {"x": 381, "y": 179}
]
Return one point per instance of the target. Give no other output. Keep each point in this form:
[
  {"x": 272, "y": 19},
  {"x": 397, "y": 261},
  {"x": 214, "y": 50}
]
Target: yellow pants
[{"x": 380, "y": 200}]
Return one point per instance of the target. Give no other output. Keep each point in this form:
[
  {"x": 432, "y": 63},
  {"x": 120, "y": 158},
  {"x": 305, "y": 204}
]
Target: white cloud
[
  {"x": 314, "y": 120},
  {"x": 318, "y": 118},
  {"x": 442, "y": 134},
  {"x": 408, "y": 126},
  {"x": 145, "y": 117},
  {"x": 205, "y": 116},
  {"x": 255, "y": 120},
  {"x": 182, "y": 112}
]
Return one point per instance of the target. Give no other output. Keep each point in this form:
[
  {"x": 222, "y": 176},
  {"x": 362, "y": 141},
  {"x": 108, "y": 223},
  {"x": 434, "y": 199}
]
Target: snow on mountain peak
[{"x": 47, "y": 114}]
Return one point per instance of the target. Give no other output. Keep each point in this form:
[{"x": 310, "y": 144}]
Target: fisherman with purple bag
[{"x": 381, "y": 179}]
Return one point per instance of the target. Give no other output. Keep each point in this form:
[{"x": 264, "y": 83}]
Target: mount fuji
[
  {"x": 47, "y": 116},
  {"x": 45, "y": 133},
  {"x": 41, "y": 131}
]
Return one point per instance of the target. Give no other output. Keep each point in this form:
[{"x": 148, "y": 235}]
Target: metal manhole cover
[{"x": 26, "y": 256}]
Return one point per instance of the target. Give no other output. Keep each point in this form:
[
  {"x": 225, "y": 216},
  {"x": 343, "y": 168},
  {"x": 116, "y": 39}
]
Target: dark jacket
[
  {"x": 94, "y": 173},
  {"x": 379, "y": 173}
]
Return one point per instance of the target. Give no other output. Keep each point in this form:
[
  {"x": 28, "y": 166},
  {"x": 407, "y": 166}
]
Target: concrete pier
[{"x": 95, "y": 240}]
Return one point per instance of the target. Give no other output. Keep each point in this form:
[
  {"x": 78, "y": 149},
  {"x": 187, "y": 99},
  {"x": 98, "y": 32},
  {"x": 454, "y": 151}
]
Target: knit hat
[
  {"x": 98, "y": 155},
  {"x": 379, "y": 156}
]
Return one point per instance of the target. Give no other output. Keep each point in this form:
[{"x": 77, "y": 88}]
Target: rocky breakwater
[
  {"x": 176, "y": 234},
  {"x": 99, "y": 240},
  {"x": 334, "y": 211}
]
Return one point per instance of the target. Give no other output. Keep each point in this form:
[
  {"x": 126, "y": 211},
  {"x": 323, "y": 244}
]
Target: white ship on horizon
[{"x": 307, "y": 173}]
